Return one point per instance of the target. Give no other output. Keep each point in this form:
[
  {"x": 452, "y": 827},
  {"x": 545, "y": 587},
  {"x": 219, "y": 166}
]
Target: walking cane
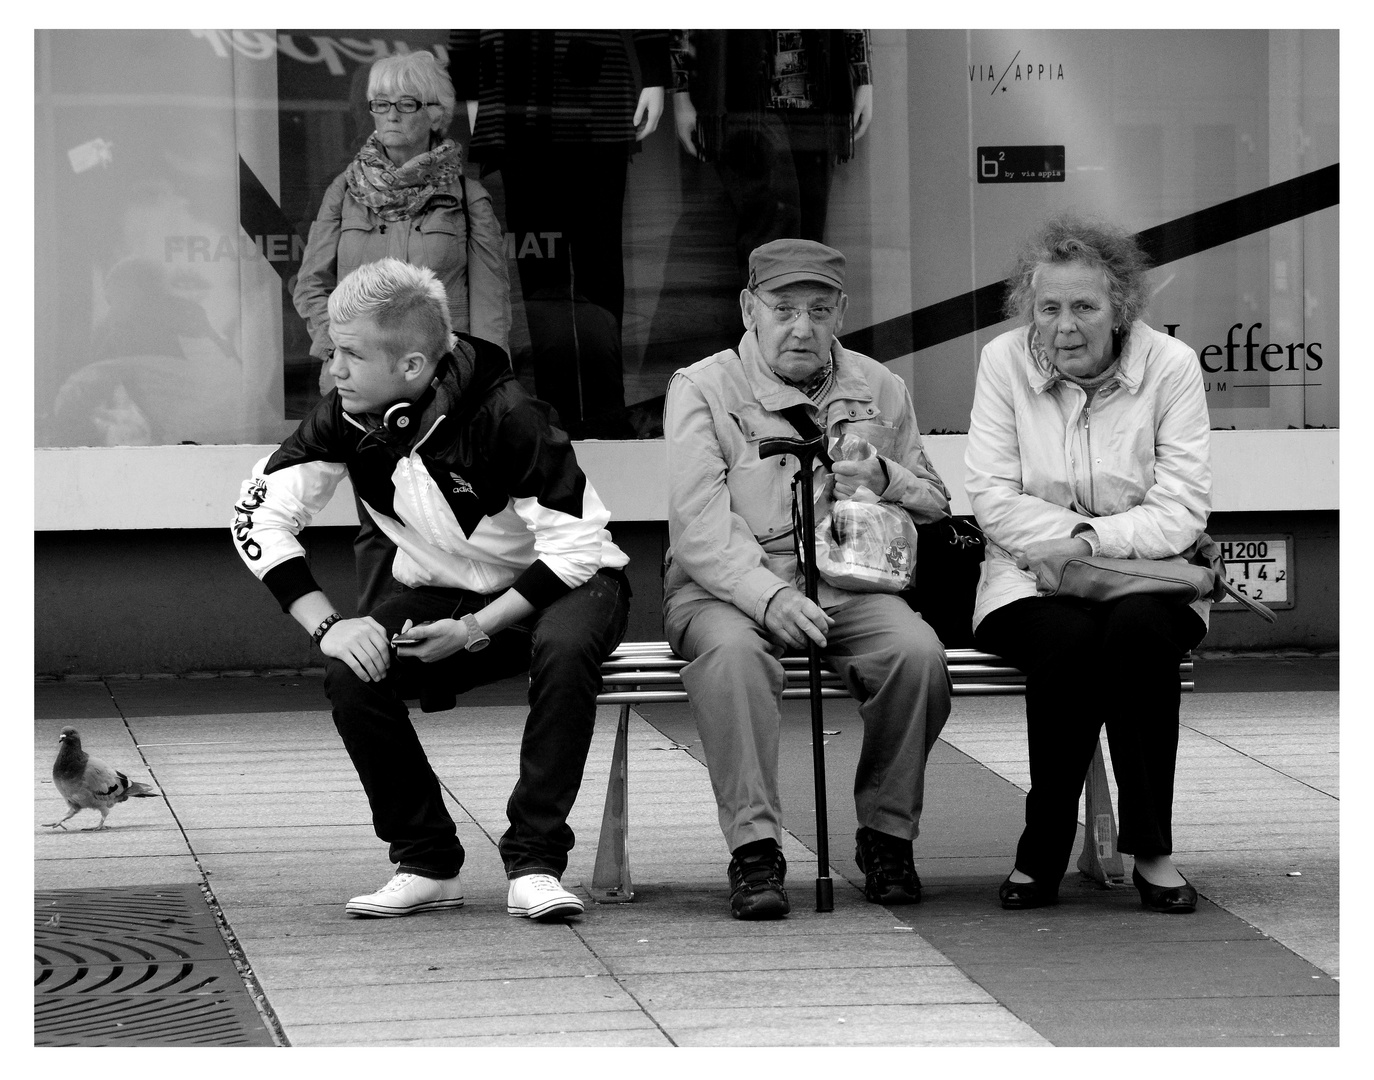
[{"x": 806, "y": 451}]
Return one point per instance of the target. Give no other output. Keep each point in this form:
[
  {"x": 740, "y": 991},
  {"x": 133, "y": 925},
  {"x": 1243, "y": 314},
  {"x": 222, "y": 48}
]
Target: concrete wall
[
  {"x": 170, "y": 600},
  {"x": 109, "y": 602}
]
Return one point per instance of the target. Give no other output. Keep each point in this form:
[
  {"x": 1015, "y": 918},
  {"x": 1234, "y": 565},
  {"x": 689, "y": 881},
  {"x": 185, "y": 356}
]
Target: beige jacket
[
  {"x": 347, "y": 234},
  {"x": 730, "y": 511}
]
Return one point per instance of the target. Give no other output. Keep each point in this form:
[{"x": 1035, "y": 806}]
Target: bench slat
[
  {"x": 653, "y": 662},
  {"x": 793, "y": 693},
  {"x": 658, "y": 679}
]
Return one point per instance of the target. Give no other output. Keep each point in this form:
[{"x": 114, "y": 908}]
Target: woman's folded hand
[{"x": 1038, "y": 552}]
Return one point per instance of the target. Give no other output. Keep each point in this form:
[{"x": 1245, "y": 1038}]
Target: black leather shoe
[
  {"x": 1026, "y": 894},
  {"x": 1175, "y": 900},
  {"x": 888, "y": 866},
  {"x": 756, "y": 877}
]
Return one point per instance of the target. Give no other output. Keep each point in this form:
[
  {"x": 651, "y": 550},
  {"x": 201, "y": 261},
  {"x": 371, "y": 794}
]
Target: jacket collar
[
  {"x": 1130, "y": 368},
  {"x": 464, "y": 381},
  {"x": 775, "y": 395},
  {"x": 476, "y": 368}
]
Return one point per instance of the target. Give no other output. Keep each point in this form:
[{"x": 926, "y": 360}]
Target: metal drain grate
[{"x": 136, "y": 966}]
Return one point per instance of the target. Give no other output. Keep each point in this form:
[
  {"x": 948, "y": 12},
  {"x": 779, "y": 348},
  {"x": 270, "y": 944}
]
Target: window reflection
[{"x": 177, "y": 173}]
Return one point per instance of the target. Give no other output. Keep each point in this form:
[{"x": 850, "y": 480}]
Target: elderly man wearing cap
[{"x": 733, "y": 602}]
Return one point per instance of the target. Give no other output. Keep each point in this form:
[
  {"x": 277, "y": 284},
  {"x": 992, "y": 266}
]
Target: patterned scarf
[
  {"x": 818, "y": 384},
  {"x": 1042, "y": 361},
  {"x": 394, "y": 192}
]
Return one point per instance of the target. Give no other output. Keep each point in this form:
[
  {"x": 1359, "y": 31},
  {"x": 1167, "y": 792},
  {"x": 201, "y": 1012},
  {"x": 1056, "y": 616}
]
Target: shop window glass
[{"x": 177, "y": 173}]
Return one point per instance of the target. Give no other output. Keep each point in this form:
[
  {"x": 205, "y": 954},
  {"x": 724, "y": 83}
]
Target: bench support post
[
  {"x": 611, "y": 876},
  {"x": 1100, "y": 859}
]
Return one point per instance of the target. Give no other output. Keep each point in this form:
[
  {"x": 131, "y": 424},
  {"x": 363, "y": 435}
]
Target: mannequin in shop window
[
  {"x": 559, "y": 113},
  {"x": 774, "y": 111}
]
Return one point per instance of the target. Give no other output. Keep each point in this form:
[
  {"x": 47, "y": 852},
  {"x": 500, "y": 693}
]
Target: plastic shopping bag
[{"x": 865, "y": 544}]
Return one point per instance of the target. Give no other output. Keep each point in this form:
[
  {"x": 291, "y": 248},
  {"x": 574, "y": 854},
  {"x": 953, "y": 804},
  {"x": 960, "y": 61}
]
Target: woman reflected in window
[{"x": 404, "y": 196}]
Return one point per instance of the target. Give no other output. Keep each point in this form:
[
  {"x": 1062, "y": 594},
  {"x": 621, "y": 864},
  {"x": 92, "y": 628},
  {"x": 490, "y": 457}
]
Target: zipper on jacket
[
  {"x": 1088, "y": 453},
  {"x": 423, "y": 507},
  {"x": 1078, "y": 445}
]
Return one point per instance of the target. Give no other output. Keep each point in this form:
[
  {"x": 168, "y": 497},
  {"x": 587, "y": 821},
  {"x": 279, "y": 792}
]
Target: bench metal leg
[
  {"x": 611, "y": 876},
  {"x": 1100, "y": 859}
]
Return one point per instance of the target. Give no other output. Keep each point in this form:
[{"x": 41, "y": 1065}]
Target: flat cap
[{"x": 782, "y": 262}]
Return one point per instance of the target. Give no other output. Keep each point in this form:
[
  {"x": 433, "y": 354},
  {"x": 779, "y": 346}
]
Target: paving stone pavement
[{"x": 262, "y": 805}]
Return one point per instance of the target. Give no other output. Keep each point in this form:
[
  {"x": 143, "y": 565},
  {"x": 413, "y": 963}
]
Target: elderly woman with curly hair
[
  {"x": 404, "y": 196},
  {"x": 1090, "y": 436}
]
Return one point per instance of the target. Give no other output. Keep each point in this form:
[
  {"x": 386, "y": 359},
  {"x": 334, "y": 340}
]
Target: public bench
[{"x": 646, "y": 672}]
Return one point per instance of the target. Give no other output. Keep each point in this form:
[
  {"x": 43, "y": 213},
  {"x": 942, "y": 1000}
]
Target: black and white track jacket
[{"x": 488, "y": 496}]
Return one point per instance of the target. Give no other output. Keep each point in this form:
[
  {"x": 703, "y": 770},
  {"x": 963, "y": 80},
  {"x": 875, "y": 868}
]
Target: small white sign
[
  {"x": 1257, "y": 567},
  {"x": 90, "y": 154}
]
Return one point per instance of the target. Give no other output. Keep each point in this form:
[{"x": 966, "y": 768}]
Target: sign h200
[
  {"x": 1258, "y": 566},
  {"x": 1020, "y": 165}
]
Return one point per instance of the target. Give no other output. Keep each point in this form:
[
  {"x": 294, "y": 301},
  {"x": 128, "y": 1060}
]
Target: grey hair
[
  {"x": 1069, "y": 238},
  {"x": 420, "y": 75},
  {"x": 407, "y": 303}
]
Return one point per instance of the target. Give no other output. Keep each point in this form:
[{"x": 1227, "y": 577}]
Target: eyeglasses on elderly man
[{"x": 785, "y": 313}]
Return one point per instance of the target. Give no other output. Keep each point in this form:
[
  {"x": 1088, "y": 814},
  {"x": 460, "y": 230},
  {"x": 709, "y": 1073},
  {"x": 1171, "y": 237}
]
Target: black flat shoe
[
  {"x": 1026, "y": 894},
  {"x": 1178, "y": 900}
]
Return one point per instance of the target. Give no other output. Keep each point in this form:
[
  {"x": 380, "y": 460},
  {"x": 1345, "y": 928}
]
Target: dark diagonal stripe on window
[{"x": 1169, "y": 242}]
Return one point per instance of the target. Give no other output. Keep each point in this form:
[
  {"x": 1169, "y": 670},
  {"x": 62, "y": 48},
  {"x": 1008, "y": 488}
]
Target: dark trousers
[
  {"x": 561, "y": 647},
  {"x": 565, "y": 204},
  {"x": 1086, "y": 665},
  {"x": 776, "y": 185},
  {"x": 373, "y": 554}
]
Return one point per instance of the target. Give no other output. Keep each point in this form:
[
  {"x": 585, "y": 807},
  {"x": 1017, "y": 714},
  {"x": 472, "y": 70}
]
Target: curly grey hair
[
  {"x": 407, "y": 303},
  {"x": 1069, "y": 238},
  {"x": 419, "y": 75}
]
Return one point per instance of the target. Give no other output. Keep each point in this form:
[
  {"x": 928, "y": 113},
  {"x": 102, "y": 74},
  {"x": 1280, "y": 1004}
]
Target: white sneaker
[
  {"x": 405, "y": 894},
  {"x": 540, "y": 896}
]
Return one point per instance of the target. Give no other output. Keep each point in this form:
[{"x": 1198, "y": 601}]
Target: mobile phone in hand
[{"x": 400, "y": 639}]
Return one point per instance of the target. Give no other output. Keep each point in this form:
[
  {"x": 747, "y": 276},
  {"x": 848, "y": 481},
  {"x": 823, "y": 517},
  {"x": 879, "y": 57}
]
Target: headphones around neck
[{"x": 400, "y": 417}]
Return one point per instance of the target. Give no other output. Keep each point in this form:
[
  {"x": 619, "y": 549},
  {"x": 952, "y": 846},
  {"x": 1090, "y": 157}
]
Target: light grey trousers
[{"x": 886, "y": 655}]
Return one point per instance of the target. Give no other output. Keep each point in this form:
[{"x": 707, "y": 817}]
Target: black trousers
[
  {"x": 777, "y": 182},
  {"x": 565, "y": 204},
  {"x": 373, "y": 554},
  {"x": 561, "y": 646},
  {"x": 1087, "y": 665}
]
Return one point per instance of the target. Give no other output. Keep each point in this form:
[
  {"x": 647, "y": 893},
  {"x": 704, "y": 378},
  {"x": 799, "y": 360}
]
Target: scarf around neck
[
  {"x": 392, "y": 191},
  {"x": 818, "y": 384},
  {"x": 1089, "y": 384}
]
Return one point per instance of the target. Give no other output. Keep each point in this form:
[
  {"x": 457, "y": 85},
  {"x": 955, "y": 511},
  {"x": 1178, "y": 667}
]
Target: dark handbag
[
  {"x": 1197, "y": 574},
  {"x": 949, "y": 559}
]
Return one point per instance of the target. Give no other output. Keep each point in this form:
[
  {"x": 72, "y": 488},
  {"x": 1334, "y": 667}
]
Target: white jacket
[
  {"x": 1132, "y": 474},
  {"x": 490, "y": 497}
]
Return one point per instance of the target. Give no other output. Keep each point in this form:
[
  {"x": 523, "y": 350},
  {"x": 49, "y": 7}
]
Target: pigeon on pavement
[{"x": 88, "y": 784}]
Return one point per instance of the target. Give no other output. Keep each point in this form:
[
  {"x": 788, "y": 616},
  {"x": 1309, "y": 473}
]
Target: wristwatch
[{"x": 477, "y": 637}]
